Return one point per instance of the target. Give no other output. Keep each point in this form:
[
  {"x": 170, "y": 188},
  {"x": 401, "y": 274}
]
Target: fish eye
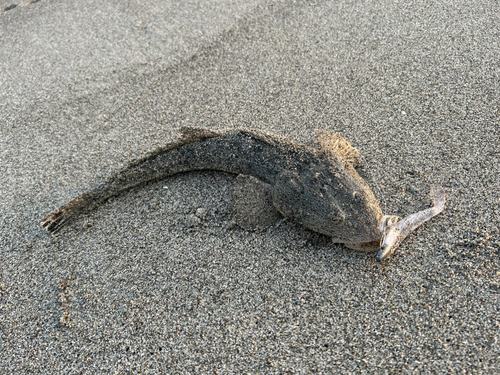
[
  {"x": 357, "y": 196},
  {"x": 336, "y": 219}
]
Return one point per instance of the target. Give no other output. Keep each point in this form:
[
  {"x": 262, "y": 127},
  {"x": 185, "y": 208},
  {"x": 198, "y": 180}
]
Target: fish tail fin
[{"x": 57, "y": 219}]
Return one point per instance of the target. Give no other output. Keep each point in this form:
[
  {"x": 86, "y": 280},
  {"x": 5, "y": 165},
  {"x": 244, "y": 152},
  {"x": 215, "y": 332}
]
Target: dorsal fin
[
  {"x": 336, "y": 145},
  {"x": 189, "y": 133}
]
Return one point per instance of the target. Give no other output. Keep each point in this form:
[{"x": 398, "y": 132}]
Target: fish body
[{"x": 317, "y": 187}]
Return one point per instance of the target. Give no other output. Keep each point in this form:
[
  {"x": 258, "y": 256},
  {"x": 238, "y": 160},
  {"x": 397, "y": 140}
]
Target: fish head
[{"x": 333, "y": 201}]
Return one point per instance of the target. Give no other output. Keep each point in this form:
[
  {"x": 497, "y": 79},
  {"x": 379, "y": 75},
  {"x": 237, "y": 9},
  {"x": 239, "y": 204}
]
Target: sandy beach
[{"x": 159, "y": 280}]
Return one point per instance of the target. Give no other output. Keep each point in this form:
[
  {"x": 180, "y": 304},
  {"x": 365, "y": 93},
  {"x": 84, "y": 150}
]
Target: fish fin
[
  {"x": 252, "y": 204},
  {"x": 53, "y": 222},
  {"x": 336, "y": 145},
  {"x": 189, "y": 133}
]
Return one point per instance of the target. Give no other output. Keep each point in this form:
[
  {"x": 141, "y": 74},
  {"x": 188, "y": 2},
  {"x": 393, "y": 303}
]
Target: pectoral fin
[
  {"x": 336, "y": 145},
  {"x": 252, "y": 204}
]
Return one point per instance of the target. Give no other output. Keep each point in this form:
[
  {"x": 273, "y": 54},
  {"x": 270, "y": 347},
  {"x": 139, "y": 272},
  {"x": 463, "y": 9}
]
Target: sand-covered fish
[{"x": 317, "y": 187}]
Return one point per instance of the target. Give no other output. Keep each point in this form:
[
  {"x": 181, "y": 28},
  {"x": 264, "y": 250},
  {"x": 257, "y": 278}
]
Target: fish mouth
[
  {"x": 372, "y": 241},
  {"x": 384, "y": 251},
  {"x": 364, "y": 247},
  {"x": 366, "y": 243}
]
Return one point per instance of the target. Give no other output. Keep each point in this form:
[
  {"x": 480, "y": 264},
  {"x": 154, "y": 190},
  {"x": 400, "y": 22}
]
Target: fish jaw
[{"x": 369, "y": 246}]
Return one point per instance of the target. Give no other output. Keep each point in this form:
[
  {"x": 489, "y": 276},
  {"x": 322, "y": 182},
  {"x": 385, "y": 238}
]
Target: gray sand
[{"x": 158, "y": 280}]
